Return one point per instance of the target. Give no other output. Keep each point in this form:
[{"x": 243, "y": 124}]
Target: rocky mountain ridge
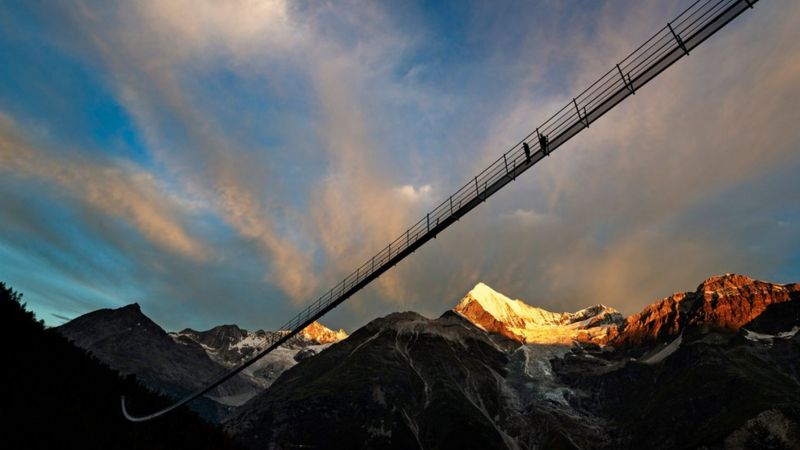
[
  {"x": 726, "y": 302},
  {"x": 230, "y": 345},
  {"x": 179, "y": 363}
]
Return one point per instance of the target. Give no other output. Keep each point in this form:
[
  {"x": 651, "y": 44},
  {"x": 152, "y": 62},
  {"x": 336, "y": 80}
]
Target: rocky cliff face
[
  {"x": 725, "y": 302},
  {"x": 658, "y": 322},
  {"x": 731, "y": 301}
]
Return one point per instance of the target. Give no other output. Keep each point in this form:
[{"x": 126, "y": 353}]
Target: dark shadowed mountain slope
[
  {"x": 404, "y": 381},
  {"x": 131, "y": 343},
  {"x": 712, "y": 388},
  {"x": 55, "y": 395},
  {"x": 391, "y": 384},
  {"x": 179, "y": 363}
]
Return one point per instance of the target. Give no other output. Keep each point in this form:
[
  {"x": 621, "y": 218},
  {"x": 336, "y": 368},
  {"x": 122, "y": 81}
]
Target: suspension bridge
[{"x": 671, "y": 43}]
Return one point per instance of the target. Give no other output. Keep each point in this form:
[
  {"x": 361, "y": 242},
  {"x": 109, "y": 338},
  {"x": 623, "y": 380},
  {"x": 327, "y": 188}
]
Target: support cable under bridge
[{"x": 675, "y": 40}]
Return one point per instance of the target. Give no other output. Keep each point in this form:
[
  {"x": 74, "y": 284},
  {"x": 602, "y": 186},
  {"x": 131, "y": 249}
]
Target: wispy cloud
[
  {"x": 119, "y": 190},
  {"x": 146, "y": 49}
]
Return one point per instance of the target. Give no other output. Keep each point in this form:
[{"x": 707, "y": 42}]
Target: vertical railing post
[
  {"x": 627, "y": 82},
  {"x": 583, "y": 119},
  {"x": 681, "y": 44}
]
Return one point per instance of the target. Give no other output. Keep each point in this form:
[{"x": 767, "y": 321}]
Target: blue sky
[{"x": 227, "y": 162}]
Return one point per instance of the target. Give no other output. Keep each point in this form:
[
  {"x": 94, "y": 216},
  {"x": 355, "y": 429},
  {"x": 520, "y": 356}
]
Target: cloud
[
  {"x": 146, "y": 47},
  {"x": 527, "y": 217},
  {"x": 414, "y": 194},
  {"x": 352, "y": 208},
  {"x": 122, "y": 191},
  {"x": 355, "y": 208},
  {"x": 241, "y": 26}
]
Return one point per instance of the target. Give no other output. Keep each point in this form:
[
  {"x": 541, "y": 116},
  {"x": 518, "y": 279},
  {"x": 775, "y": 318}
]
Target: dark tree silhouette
[{"x": 56, "y": 395}]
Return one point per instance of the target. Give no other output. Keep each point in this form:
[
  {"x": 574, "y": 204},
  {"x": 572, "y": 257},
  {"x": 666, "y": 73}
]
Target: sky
[{"x": 229, "y": 162}]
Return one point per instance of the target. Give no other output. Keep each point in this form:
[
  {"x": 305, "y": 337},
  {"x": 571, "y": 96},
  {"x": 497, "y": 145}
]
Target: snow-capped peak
[
  {"x": 317, "y": 332},
  {"x": 495, "y": 312},
  {"x": 507, "y": 310}
]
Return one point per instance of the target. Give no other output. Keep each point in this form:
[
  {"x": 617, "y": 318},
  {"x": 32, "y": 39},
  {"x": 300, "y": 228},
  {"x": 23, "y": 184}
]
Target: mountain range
[
  {"x": 182, "y": 362},
  {"x": 717, "y": 367}
]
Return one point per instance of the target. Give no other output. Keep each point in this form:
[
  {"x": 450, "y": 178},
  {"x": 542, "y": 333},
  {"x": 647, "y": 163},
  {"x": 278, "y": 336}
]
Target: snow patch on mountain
[
  {"x": 753, "y": 336},
  {"x": 538, "y": 371},
  {"x": 230, "y": 346},
  {"x": 664, "y": 352}
]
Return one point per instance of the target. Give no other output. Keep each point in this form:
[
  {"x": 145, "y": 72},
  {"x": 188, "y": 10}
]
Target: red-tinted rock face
[
  {"x": 657, "y": 322},
  {"x": 731, "y": 301},
  {"x": 725, "y": 302},
  {"x": 721, "y": 302}
]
